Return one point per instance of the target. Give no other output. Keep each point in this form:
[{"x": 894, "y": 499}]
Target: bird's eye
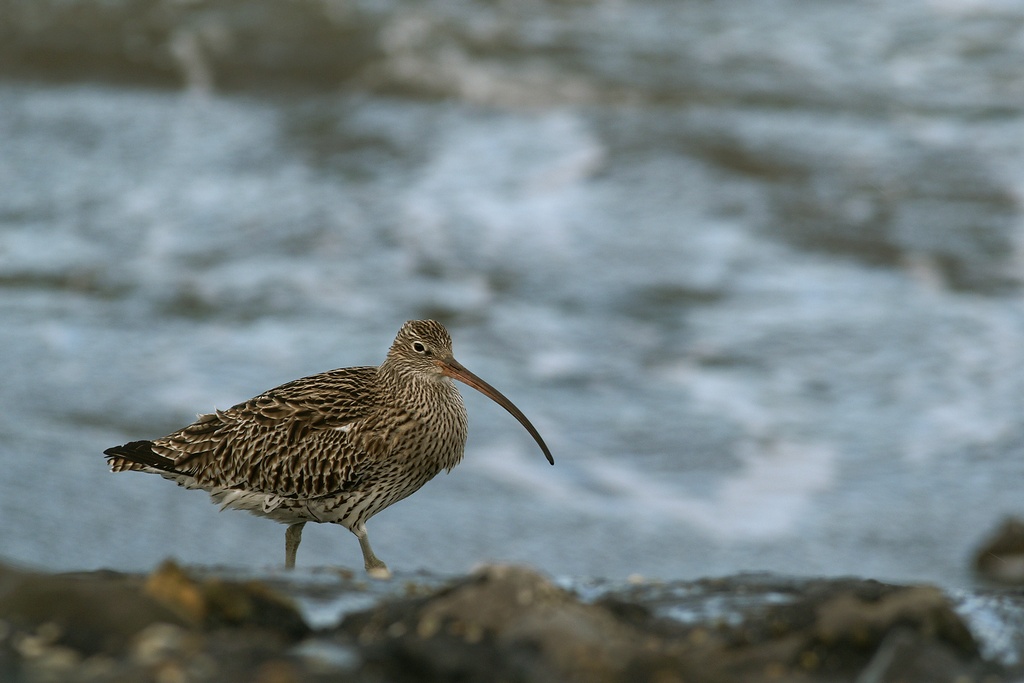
[{"x": 419, "y": 347}]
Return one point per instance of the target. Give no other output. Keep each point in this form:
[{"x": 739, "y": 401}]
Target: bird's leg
[
  {"x": 374, "y": 566},
  {"x": 292, "y": 538}
]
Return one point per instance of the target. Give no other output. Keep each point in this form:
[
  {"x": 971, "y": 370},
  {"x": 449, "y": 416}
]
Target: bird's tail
[{"x": 138, "y": 455}]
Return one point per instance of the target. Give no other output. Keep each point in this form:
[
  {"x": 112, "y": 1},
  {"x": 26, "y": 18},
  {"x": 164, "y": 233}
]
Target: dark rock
[
  {"x": 862, "y": 625},
  {"x": 108, "y": 626},
  {"x": 89, "y": 613},
  {"x": 502, "y": 623},
  {"x": 215, "y": 603},
  {"x": 229, "y": 42},
  {"x": 1001, "y": 556},
  {"x": 508, "y": 623}
]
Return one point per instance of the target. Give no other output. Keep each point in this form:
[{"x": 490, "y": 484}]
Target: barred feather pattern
[{"x": 337, "y": 447}]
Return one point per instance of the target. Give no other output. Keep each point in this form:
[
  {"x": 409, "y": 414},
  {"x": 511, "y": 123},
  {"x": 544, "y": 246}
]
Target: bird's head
[
  {"x": 419, "y": 346},
  {"x": 423, "y": 348}
]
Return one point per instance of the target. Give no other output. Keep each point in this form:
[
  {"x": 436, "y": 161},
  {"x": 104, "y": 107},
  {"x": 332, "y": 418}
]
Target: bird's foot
[
  {"x": 378, "y": 570},
  {"x": 380, "y": 573}
]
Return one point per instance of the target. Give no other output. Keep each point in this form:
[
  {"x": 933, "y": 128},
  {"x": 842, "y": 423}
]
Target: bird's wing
[{"x": 304, "y": 439}]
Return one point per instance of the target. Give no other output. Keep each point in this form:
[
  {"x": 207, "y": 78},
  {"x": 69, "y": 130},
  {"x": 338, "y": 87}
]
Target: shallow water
[{"x": 755, "y": 337}]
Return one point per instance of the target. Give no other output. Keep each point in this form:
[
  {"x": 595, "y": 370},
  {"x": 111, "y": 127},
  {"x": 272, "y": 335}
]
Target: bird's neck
[{"x": 412, "y": 387}]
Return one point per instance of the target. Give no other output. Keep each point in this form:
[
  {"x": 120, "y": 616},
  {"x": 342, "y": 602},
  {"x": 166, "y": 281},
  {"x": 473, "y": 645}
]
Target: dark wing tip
[{"x": 137, "y": 453}]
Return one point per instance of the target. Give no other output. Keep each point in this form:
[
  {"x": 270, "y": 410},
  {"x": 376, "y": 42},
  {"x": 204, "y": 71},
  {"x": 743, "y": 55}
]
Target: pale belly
[{"x": 350, "y": 509}]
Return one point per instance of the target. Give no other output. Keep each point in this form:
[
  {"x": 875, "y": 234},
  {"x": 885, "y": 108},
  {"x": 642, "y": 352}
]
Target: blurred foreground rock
[
  {"x": 1001, "y": 556},
  {"x": 502, "y": 623}
]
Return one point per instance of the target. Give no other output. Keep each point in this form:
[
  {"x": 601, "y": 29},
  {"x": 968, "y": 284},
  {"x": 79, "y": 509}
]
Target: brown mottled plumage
[{"x": 335, "y": 447}]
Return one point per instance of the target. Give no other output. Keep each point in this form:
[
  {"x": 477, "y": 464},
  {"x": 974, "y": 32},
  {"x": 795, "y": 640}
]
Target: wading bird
[{"x": 335, "y": 447}]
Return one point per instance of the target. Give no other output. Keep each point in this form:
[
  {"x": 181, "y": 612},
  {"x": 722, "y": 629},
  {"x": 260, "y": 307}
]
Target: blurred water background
[{"x": 753, "y": 269}]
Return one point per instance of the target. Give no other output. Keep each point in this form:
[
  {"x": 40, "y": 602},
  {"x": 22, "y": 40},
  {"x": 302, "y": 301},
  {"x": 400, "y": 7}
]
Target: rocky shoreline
[{"x": 499, "y": 623}]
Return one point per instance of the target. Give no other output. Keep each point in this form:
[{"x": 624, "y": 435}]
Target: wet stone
[
  {"x": 106, "y": 626},
  {"x": 501, "y": 623},
  {"x": 88, "y": 613},
  {"x": 1001, "y": 556},
  {"x": 214, "y": 603},
  {"x": 509, "y": 623}
]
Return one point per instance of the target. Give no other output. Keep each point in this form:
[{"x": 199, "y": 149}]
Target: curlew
[{"x": 335, "y": 447}]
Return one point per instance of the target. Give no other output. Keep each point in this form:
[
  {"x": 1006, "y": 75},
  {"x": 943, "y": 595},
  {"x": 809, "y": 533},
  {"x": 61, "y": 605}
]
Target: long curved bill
[{"x": 454, "y": 369}]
